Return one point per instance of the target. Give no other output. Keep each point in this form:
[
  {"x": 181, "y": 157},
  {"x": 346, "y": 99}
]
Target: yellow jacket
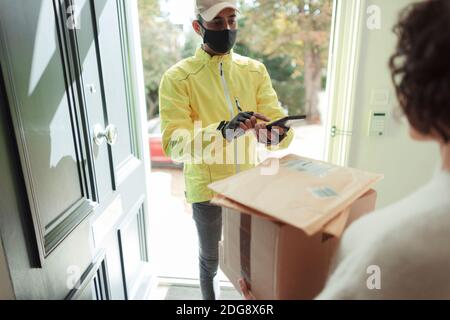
[{"x": 197, "y": 94}]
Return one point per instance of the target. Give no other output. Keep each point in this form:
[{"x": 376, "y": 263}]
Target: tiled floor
[{"x": 174, "y": 291}]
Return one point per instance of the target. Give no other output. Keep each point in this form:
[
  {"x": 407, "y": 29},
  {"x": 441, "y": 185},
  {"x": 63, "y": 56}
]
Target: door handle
[{"x": 109, "y": 134}]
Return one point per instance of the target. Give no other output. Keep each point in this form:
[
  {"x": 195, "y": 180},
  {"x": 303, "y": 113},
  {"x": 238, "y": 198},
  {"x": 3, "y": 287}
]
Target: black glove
[{"x": 233, "y": 125}]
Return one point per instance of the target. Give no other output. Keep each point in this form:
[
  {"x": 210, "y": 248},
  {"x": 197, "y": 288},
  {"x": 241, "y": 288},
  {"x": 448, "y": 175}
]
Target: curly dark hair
[{"x": 420, "y": 66}]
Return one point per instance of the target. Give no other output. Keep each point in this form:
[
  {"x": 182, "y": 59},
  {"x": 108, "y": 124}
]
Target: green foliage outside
[{"x": 291, "y": 37}]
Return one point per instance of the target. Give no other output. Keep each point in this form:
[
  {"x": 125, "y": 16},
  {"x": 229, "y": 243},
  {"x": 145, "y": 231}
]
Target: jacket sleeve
[
  {"x": 268, "y": 105},
  {"x": 181, "y": 136}
]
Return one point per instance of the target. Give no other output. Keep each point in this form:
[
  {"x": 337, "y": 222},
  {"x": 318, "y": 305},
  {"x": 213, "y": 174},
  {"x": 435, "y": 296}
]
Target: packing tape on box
[
  {"x": 333, "y": 229},
  {"x": 245, "y": 238}
]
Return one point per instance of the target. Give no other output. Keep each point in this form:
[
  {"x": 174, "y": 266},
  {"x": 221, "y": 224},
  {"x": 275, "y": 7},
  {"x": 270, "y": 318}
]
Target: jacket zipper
[{"x": 230, "y": 107}]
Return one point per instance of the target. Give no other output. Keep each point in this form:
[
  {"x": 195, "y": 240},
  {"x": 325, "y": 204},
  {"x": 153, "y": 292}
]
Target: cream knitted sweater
[{"x": 399, "y": 252}]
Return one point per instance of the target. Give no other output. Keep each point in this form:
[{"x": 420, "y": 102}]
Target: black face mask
[{"x": 219, "y": 41}]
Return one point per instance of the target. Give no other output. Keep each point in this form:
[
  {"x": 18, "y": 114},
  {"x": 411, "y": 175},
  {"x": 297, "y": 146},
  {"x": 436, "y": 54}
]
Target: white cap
[{"x": 209, "y": 9}]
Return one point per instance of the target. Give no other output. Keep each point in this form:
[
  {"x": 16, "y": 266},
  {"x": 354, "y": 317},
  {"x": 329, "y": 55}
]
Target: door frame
[
  {"x": 344, "y": 65},
  {"x": 138, "y": 82},
  {"x": 139, "y": 99}
]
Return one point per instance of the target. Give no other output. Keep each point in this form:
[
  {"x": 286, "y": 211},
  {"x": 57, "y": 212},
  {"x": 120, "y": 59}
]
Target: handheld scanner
[{"x": 285, "y": 122}]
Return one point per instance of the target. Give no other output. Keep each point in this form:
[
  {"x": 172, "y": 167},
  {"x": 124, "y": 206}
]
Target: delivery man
[{"x": 221, "y": 99}]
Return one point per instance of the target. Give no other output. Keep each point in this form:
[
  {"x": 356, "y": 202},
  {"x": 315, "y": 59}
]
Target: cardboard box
[
  {"x": 285, "y": 263},
  {"x": 302, "y": 192},
  {"x": 295, "y": 210}
]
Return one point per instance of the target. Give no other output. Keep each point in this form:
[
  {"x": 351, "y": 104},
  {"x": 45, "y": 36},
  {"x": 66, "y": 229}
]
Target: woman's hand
[{"x": 245, "y": 291}]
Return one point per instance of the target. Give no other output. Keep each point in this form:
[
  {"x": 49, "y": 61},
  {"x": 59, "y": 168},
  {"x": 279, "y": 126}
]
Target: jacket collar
[{"x": 205, "y": 57}]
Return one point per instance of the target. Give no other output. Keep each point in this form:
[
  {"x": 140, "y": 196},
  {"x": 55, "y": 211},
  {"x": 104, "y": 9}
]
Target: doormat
[{"x": 179, "y": 292}]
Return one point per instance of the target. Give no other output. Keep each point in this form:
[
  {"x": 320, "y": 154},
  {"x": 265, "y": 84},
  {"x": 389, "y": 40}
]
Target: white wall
[{"x": 406, "y": 164}]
